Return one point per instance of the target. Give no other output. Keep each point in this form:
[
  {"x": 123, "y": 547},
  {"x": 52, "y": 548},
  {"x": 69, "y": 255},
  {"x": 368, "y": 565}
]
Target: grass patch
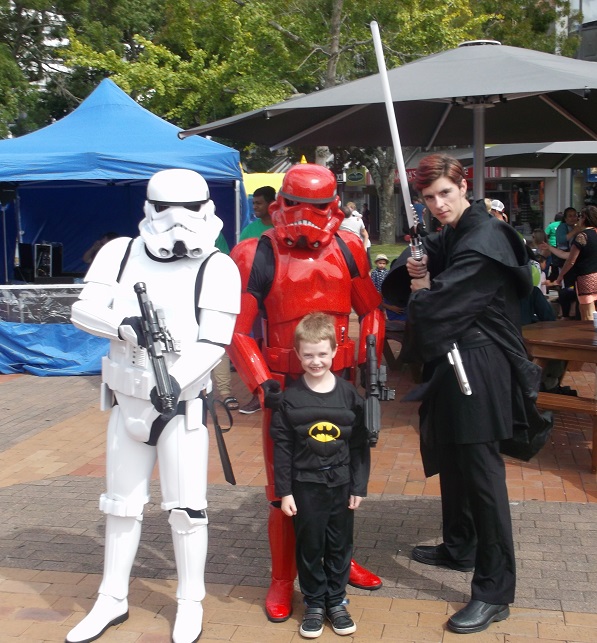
[{"x": 391, "y": 250}]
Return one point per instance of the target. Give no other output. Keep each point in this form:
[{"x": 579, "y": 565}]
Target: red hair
[{"x": 436, "y": 166}]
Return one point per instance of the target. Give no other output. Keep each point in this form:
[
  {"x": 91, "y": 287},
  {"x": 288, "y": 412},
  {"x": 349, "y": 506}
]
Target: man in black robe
[{"x": 467, "y": 289}]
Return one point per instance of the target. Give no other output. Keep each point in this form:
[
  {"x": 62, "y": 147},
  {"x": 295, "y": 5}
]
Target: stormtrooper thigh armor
[{"x": 182, "y": 453}]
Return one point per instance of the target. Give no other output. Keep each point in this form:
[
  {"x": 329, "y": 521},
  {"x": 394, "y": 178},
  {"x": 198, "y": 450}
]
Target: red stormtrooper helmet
[{"x": 306, "y": 213}]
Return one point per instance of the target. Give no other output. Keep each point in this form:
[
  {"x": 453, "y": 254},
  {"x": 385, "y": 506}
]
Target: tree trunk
[
  {"x": 382, "y": 167},
  {"x": 322, "y": 153}
]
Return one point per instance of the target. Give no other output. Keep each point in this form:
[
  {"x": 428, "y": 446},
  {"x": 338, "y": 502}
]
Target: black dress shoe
[
  {"x": 438, "y": 555},
  {"x": 476, "y": 617}
]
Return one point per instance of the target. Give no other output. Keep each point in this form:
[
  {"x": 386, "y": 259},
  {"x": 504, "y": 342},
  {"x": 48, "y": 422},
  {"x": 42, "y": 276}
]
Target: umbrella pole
[{"x": 479, "y": 151}]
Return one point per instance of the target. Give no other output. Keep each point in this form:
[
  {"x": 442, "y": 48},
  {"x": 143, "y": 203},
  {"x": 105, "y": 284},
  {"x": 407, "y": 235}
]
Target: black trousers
[
  {"x": 324, "y": 534},
  {"x": 477, "y": 527}
]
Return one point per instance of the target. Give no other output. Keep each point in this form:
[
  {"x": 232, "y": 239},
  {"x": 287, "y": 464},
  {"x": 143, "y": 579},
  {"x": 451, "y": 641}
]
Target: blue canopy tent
[
  {"x": 71, "y": 182},
  {"x": 86, "y": 174}
]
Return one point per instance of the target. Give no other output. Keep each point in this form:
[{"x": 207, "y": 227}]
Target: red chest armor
[{"x": 305, "y": 282}]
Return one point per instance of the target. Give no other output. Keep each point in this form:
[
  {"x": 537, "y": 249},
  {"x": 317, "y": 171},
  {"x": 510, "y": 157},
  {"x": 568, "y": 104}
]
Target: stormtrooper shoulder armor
[
  {"x": 220, "y": 287},
  {"x": 108, "y": 262}
]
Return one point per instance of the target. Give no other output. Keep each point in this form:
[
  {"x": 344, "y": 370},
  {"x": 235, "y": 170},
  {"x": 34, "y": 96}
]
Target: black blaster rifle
[
  {"x": 375, "y": 390},
  {"x": 158, "y": 341}
]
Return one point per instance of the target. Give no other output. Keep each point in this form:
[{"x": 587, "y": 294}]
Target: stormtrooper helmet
[
  {"x": 180, "y": 219},
  {"x": 306, "y": 213}
]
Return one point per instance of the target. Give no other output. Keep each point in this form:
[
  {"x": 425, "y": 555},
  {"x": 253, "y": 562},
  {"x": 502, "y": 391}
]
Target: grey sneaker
[
  {"x": 312, "y": 625},
  {"x": 252, "y": 406},
  {"x": 341, "y": 621}
]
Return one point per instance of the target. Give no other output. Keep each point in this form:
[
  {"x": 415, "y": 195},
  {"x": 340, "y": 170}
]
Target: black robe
[{"x": 479, "y": 273}]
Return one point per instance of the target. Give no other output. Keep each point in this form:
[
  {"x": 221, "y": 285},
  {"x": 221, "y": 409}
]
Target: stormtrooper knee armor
[{"x": 189, "y": 537}]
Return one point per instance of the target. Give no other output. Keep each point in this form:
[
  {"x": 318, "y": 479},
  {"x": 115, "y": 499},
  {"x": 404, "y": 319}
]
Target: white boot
[
  {"x": 189, "y": 621},
  {"x": 106, "y": 612},
  {"x": 111, "y": 607},
  {"x": 189, "y": 536}
]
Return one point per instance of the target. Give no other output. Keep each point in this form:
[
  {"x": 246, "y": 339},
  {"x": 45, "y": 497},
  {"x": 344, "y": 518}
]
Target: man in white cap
[{"x": 497, "y": 209}]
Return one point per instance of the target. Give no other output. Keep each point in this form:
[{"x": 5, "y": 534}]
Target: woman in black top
[{"x": 583, "y": 257}]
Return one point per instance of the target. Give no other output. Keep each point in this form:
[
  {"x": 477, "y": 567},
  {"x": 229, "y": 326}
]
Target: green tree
[{"x": 195, "y": 61}]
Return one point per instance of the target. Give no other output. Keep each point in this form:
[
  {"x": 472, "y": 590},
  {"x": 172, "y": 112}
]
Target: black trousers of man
[
  {"x": 477, "y": 526},
  {"x": 324, "y": 535}
]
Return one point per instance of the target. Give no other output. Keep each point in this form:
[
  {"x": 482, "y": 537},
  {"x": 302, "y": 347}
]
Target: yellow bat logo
[{"x": 324, "y": 432}]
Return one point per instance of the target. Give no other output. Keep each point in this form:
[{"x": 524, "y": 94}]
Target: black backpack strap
[
  {"x": 348, "y": 257},
  {"x": 125, "y": 258},
  {"x": 199, "y": 283}
]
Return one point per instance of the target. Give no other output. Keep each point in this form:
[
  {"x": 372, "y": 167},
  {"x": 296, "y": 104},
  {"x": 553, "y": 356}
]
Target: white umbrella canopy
[
  {"x": 551, "y": 156},
  {"x": 480, "y": 92}
]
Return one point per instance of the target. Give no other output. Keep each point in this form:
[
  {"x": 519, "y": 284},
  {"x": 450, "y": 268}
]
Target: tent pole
[
  {"x": 237, "y": 209},
  {"x": 479, "y": 151},
  {"x": 3, "y": 207}
]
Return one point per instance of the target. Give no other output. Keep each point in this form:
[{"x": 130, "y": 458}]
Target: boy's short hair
[{"x": 314, "y": 328}]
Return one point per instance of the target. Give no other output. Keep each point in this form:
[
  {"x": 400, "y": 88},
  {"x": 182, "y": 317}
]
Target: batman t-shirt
[{"x": 321, "y": 437}]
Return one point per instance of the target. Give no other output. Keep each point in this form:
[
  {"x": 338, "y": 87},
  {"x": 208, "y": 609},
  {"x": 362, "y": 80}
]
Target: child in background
[
  {"x": 380, "y": 272},
  {"x": 543, "y": 283},
  {"x": 321, "y": 469}
]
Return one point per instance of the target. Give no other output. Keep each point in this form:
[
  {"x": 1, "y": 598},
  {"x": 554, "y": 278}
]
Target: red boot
[
  {"x": 361, "y": 578},
  {"x": 278, "y": 602}
]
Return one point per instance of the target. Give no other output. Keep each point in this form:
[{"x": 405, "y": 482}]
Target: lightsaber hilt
[
  {"x": 416, "y": 247},
  {"x": 456, "y": 360}
]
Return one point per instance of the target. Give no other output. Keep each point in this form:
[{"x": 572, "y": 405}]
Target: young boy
[
  {"x": 321, "y": 469},
  {"x": 380, "y": 272}
]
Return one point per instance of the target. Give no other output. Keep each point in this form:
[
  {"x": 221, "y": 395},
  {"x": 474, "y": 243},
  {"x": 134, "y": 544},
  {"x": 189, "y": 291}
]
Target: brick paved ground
[{"x": 51, "y": 532}]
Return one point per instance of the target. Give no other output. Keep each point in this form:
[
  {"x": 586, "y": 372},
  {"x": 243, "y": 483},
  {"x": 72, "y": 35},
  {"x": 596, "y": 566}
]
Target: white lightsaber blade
[
  {"x": 411, "y": 214},
  {"x": 416, "y": 247}
]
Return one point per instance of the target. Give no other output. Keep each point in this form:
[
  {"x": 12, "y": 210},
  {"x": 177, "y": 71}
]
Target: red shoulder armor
[
  {"x": 243, "y": 255},
  {"x": 357, "y": 249}
]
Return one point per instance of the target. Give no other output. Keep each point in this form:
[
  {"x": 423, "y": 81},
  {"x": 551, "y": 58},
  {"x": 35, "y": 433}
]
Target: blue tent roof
[{"x": 110, "y": 137}]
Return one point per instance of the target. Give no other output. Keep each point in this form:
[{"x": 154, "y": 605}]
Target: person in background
[
  {"x": 321, "y": 482},
  {"x": 550, "y": 231},
  {"x": 554, "y": 264},
  {"x": 90, "y": 253},
  {"x": 353, "y": 222},
  {"x": 543, "y": 283},
  {"x": 583, "y": 258},
  {"x": 262, "y": 197},
  {"x": 565, "y": 231},
  {"x": 380, "y": 272},
  {"x": 497, "y": 210},
  {"x": 419, "y": 209},
  {"x": 487, "y": 204}
]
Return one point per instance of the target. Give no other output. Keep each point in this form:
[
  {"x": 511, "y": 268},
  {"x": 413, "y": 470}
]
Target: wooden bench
[
  {"x": 394, "y": 360},
  {"x": 573, "y": 404}
]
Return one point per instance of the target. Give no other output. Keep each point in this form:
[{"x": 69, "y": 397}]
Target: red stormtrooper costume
[
  {"x": 301, "y": 265},
  {"x": 198, "y": 291}
]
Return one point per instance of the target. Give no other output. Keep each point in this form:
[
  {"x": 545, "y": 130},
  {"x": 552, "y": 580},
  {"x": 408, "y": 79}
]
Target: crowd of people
[{"x": 280, "y": 303}]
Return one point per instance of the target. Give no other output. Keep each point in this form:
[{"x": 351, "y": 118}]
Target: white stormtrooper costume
[{"x": 177, "y": 236}]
